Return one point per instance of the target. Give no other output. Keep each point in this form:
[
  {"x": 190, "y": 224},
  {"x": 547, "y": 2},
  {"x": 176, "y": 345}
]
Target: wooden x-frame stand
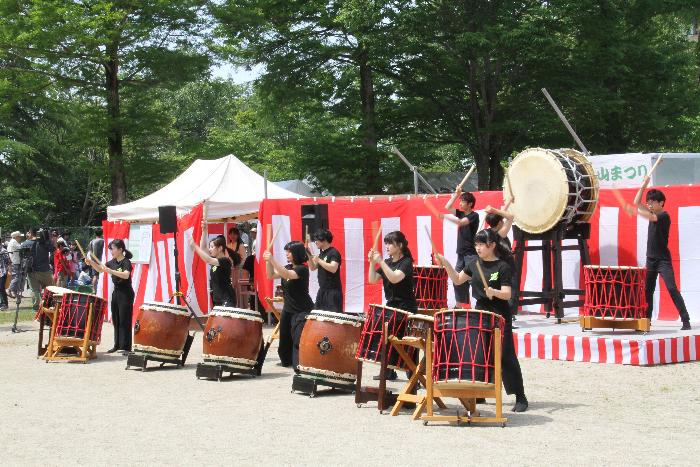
[
  {"x": 408, "y": 393},
  {"x": 87, "y": 349},
  {"x": 466, "y": 391}
]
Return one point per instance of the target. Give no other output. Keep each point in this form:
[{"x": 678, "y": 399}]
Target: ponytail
[
  {"x": 119, "y": 243},
  {"x": 489, "y": 236}
]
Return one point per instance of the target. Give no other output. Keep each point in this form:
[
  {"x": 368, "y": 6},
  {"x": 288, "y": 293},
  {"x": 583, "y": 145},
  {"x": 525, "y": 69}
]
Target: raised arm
[
  {"x": 453, "y": 198},
  {"x": 507, "y": 218},
  {"x": 278, "y": 270},
  {"x": 203, "y": 254}
]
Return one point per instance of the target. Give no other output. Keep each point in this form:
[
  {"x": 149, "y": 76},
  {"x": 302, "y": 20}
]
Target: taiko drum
[
  {"x": 161, "y": 330},
  {"x": 232, "y": 337}
]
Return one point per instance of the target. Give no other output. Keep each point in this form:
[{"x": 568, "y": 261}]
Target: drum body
[
  {"x": 232, "y": 337},
  {"x": 52, "y": 296},
  {"x": 73, "y": 316},
  {"x": 464, "y": 345},
  {"x": 418, "y": 325},
  {"x": 328, "y": 345},
  {"x": 614, "y": 292},
  {"x": 161, "y": 330},
  {"x": 551, "y": 186},
  {"x": 369, "y": 346},
  {"x": 430, "y": 287}
]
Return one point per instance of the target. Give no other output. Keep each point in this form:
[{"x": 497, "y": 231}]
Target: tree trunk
[
  {"x": 368, "y": 127},
  {"x": 117, "y": 174}
]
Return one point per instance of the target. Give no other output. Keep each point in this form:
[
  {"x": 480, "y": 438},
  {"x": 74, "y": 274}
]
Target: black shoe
[
  {"x": 480, "y": 400},
  {"x": 112, "y": 350},
  {"x": 285, "y": 365},
  {"x": 520, "y": 404},
  {"x": 686, "y": 326},
  {"x": 390, "y": 376}
]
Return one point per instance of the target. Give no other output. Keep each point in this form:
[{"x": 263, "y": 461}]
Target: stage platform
[{"x": 542, "y": 338}]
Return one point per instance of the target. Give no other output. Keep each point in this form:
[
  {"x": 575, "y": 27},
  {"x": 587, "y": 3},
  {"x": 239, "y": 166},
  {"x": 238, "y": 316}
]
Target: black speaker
[
  {"x": 167, "y": 218},
  {"x": 315, "y": 216}
]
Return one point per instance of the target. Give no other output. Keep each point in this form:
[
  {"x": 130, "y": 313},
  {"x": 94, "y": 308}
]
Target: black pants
[
  {"x": 291, "y": 326},
  {"x": 462, "y": 290},
  {"x": 3, "y": 295},
  {"x": 510, "y": 367},
  {"x": 329, "y": 300},
  {"x": 122, "y": 310},
  {"x": 663, "y": 266}
]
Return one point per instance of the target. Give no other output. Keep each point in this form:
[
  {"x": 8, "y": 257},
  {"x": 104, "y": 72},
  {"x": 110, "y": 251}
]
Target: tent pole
[{"x": 265, "y": 182}]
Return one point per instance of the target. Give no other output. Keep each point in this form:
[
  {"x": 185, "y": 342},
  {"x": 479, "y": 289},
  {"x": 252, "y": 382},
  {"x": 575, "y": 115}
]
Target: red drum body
[
  {"x": 614, "y": 292},
  {"x": 464, "y": 345},
  {"x": 430, "y": 287},
  {"x": 52, "y": 296},
  {"x": 328, "y": 346},
  {"x": 369, "y": 346},
  {"x": 232, "y": 337},
  {"x": 161, "y": 330},
  {"x": 74, "y": 315}
]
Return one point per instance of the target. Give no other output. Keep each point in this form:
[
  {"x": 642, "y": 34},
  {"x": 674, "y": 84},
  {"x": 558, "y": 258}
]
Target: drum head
[
  {"x": 540, "y": 188},
  {"x": 56, "y": 290}
]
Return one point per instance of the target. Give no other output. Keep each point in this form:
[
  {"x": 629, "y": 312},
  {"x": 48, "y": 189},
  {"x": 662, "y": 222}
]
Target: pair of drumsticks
[{"x": 631, "y": 208}]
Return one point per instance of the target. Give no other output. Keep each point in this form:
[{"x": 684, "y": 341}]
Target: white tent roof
[{"x": 229, "y": 187}]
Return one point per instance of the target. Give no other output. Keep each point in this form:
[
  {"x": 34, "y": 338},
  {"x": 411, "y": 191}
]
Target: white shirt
[{"x": 13, "y": 247}]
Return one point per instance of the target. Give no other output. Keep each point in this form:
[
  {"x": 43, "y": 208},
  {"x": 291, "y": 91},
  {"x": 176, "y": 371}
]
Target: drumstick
[
  {"x": 656, "y": 164},
  {"x": 481, "y": 274},
  {"x": 432, "y": 244},
  {"x": 82, "y": 252},
  {"x": 466, "y": 177},
  {"x": 621, "y": 200},
  {"x": 433, "y": 210},
  {"x": 376, "y": 228},
  {"x": 272, "y": 240},
  {"x": 306, "y": 237}
]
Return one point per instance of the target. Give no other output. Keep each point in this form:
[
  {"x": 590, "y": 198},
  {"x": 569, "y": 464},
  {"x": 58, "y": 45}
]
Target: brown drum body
[
  {"x": 161, "y": 329},
  {"x": 328, "y": 345},
  {"x": 232, "y": 337}
]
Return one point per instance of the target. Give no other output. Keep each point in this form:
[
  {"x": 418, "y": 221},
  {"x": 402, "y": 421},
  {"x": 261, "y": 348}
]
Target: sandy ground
[{"x": 100, "y": 414}]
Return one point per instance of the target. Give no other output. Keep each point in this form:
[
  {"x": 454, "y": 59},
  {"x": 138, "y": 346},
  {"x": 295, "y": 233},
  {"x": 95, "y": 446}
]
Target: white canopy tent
[{"x": 227, "y": 186}]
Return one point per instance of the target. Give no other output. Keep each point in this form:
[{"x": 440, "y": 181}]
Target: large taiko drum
[
  {"x": 464, "y": 345},
  {"x": 550, "y": 186},
  {"x": 328, "y": 345},
  {"x": 232, "y": 337},
  {"x": 74, "y": 316},
  {"x": 369, "y": 346},
  {"x": 614, "y": 292},
  {"x": 430, "y": 287},
  {"x": 161, "y": 330}
]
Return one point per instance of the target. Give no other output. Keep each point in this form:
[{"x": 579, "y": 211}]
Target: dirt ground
[{"x": 100, "y": 414}]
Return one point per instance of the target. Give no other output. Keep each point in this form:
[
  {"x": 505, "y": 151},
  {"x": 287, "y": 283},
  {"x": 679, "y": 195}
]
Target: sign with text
[
  {"x": 141, "y": 242},
  {"x": 622, "y": 170}
]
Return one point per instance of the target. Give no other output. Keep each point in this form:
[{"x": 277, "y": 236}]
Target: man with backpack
[{"x": 38, "y": 247}]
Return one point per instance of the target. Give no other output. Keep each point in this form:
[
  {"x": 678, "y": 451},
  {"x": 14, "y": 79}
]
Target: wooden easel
[
  {"x": 276, "y": 313},
  {"x": 379, "y": 393},
  {"x": 408, "y": 392},
  {"x": 466, "y": 391},
  {"x": 553, "y": 292},
  {"x": 52, "y": 313},
  {"x": 86, "y": 347}
]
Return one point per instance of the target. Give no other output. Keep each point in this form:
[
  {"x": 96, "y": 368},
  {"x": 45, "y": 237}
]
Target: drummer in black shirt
[
  {"x": 297, "y": 302},
  {"x": 330, "y": 289},
  {"x": 494, "y": 298},
  {"x": 396, "y": 274},
  {"x": 501, "y": 221},
  {"x": 220, "y": 273},
  {"x": 658, "y": 254},
  {"x": 467, "y": 221},
  {"x": 122, "y": 303}
]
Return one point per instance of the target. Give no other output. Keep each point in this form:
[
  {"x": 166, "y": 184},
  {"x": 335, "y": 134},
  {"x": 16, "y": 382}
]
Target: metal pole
[
  {"x": 413, "y": 169},
  {"x": 565, "y": 122},
  {"x": 265, "y": 182},
  {"x": 415, "y": 181}
]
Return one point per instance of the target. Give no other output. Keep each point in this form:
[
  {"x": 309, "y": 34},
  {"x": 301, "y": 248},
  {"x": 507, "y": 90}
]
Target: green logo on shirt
[
  {"x": 213, "y": 268},
  {"x": 494, "y": 276}
]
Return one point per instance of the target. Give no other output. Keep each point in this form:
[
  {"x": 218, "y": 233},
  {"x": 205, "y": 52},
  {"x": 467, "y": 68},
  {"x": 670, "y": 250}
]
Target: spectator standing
[
  {"x": 13, "y": 249},
  {"x": 39, "y": 270}
]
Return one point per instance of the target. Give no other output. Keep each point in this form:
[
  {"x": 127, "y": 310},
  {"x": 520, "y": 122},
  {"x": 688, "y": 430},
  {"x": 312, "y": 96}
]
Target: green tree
[{"x": 106, "y": 52}]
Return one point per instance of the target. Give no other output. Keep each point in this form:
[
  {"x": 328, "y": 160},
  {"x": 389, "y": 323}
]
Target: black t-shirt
[
  {"x": 249, "y": 265},
  {"x": 400, "y": 295},
  {"x": 657, "y": 237},
  {"x": 296, "y": 291},
  {"x": 497, "y": 274},
  {"x": 329, "y": 280},
  {"x": 220, "y": 282},
  {"x": 466, "y": 233},
  {"x": 40, "y": 254},
  {"x": 123, "y": 285}
]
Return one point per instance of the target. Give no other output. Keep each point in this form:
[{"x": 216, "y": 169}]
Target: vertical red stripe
[
  {"x": 540, "y": 347},
  {"x": 634, "y": 352},
  {"x": 651, "y": 359},
  {"x": 674, "y": 350},
  {"x": 528, "y": 345},
  {"x": 617, "y": 347},
  {"x": 686, "y": 348},
  {"x": 602, "y": 351},
  {"x": 570, "y": 348},
  {"x": 555, "y": 347},
  {"x": 586, "y": 345},
  {"x": 515, "y": 342},
  {"x": 662, "y": 351}
]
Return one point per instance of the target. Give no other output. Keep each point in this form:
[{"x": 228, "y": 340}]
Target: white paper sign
[
  {"x": 622, "y": 170},
  {"x": 140, "y": 242}
]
